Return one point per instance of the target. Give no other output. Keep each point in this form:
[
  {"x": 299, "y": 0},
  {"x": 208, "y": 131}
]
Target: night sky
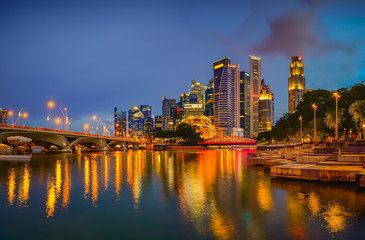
[{"x": 91, "y": 56}]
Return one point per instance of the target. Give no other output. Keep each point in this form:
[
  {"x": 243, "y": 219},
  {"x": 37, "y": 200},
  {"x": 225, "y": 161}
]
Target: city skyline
[{"x": 86, "y": 58}]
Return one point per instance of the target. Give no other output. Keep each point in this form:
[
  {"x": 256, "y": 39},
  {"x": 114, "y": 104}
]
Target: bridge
[
  {"x": 63, "y": 140},
  {"x": 234, "y": 142}
]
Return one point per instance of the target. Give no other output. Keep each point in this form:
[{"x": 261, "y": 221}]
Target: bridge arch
[
  {"x": 40, "y": 139},
  {"x": 88, "y": 141}
]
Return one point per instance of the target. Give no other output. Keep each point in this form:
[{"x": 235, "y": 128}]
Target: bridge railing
[{"x": 65, "y": 132}]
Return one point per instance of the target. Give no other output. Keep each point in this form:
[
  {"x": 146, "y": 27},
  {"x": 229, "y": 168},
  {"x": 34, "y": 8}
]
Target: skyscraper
[
  {"x": 167, "y": 121},
  {"x": 158, "y": 124},
  {"x": 266, "y": 108},
  {"x": 222, "y": 95},
  {"x": 136, "y": 122},
  {"x": 236, "y": 95},
  {"x": 120, "y": 123},
  {"x": 245, "y": 103},
  {"x": 296, "y": 83},
  {"x": 198, "y": 89},
  {"x": 147, "y": 118},
  {"x": 255, "y": 81},
  {"x": 209, "y": 100},
  {"x": 3, "y": 116}
]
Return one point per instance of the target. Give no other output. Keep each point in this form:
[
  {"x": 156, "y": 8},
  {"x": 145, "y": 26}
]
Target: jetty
[{"x": 324, "y": 164}]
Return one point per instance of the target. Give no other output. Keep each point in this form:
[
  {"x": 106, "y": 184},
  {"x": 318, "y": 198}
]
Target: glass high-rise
[
  {"x": 296, "y": 83},
  {"x": 136, "y": 122},
  {"x": 209, "y": 100},
  {"x": 245, "y": 103},
  {"x": 120, "y": 123},
  {"x": 158, "y": 124},
  {"x": 222, "y": 96},
  {"x": 148, "y": 120},
  {"x": 198, "y": 89},
  {"x": 255, "y": 83},
  {"x": 167, "y": 120},
  {"x": 266, "y": 108},
  {"x": 3, "y": 116}
]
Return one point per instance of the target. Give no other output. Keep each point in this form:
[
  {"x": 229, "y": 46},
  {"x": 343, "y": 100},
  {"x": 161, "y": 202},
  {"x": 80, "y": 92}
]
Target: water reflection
[{"x": 214, "y": 191}]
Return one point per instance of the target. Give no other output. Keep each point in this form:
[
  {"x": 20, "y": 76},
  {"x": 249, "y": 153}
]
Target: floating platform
[{"x": 15, "y": 157}]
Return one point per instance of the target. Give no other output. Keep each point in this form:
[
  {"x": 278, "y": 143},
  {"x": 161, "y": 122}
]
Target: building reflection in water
[
  {"x": 215, "y": 191},
  {"x": 11, "y": 186}
]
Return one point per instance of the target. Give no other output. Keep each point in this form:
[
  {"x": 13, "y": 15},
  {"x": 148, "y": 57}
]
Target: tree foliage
[
  {"x": 287, "y": 128},
  {"x": 187, "y": 132}
]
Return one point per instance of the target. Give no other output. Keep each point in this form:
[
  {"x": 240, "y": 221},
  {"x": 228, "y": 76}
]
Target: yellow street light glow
[
  {"x": 51, "y": 104},
  {"x": 336, "y": 94},
  {"x": 86, "y": 125},
  {"x": 25, "y": 115},
  {"x": 314, "y": 106},
  {"x": 94, "y": 117},
  {"x": 363, "y": 125},
  {"x": 58, "y": 120},
  {"x": 10, "y": 113}
]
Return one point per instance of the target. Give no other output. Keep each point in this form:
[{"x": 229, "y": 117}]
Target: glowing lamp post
[
  {"x": 48, "y": 119},
  {"x": 86, "y": 127},
  {"x": 11, "y": 114},
  {"x": 301, "y": 128},
  {"x": 64, "y": 114},
  {"x": 102, "y": 123},
  {"x": 58, "y": 121},
  {"x": 315, "y": 125},
  {"x": 336, "y": 127}
]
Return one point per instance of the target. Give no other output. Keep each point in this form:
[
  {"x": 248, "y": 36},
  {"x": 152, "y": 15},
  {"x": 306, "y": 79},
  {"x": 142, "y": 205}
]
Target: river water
[{"x": 209, "y": 194}]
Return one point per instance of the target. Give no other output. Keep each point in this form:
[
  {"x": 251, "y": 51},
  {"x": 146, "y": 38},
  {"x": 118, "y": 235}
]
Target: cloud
[{"x": 294, "y": 33}]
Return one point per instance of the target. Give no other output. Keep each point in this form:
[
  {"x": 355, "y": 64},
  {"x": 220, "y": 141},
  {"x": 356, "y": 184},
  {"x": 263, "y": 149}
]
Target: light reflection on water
[{"x": 211, "y": 193}]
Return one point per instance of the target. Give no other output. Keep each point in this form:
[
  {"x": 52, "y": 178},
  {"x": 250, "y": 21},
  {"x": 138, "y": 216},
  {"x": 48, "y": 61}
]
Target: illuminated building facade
[
  {"x": 147, "y": 119},
  {"x": 167, "y": 120},
  {"x": 3, "y": 116},
  {"x": 136, "y": 122},
  {"x": 209, "y": 100},
  {"x": 193, "y": 110},
  {"x": 235, "y": 95},
  {"x": 120, "y": 123},
  {"x": 193, "y": 98},
  {"x": 255, "y": 82},
  {"x": 296, "y": 83},
  {"x": 203, "y": 123},
  {"x": 184, "y": 98},
  {"x": 222, "y": 96},
  {"x": 266, "y": 108},
  {"x": 158, "y": 124},
  {"x": 245, "y": 103},
  {"x": 198, "y": 89}
]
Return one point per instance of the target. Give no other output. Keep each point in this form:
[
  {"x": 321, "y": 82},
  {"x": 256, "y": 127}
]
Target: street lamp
[
  {"x": 102, "y": 123},
  {"x": 25, "y": 115},
  {"x": 86, "y": 127},
  {"x": 48, "y": 119},
  {"x": 65, "y": 116},
  {"x": 58, "y": 121},
  {"x": 11, "y": 115},
  {"x": 336, "y": 127},
  {"x": 19, "y": 116},
  {"x": 315, "y": 125},
  {"x": 301, "y": 128}
]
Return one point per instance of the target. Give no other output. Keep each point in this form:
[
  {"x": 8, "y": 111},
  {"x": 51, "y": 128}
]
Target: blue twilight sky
[{"x": 91, "y": 56}]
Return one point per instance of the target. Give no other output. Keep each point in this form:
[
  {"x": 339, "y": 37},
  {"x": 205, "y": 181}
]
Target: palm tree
[{"x": 357, "y": 110}]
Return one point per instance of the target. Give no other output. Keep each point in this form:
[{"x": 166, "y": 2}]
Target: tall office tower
[
  {"x": 147, "y": 117},
  {"x": 184, "y": 99},
  {"x": 136, "y": 122},
  {"x": 245, "y": 103},
  {"x": 193, "y": 99},
  {"x": 3, "y": 116},
  {"x": 198, "y": 89},
  {"x": 296, "y": 83},
  {"x": 222, "y": 96},
  {"x": 209, "y": 100},
  {"x": 158, "y": 124},
  {"x": 266, "y": 108},
  {"x": 167, "y": 120},
  {"x": 120, "y": 123},
  {"x": 255, "y": 81},
  {"x": 235, "y": 95}
]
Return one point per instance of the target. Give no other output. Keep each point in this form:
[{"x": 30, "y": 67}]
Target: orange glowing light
[
  {"x": 10, "y": 113},
  {"x": 94, "y": 117},
  {"x": 58, "y": 120},
  {"x": 51, "y": 104},
  {"x": 25, "y": 115},
  {"x": 86, "y": 126}
]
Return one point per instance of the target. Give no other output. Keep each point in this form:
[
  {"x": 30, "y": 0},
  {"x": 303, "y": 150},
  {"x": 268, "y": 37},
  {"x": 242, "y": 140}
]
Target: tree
[
  {"x": 189, "y": 133},
  {"x": 330, "y": 119},
  {"x": 357, "y": 110}
]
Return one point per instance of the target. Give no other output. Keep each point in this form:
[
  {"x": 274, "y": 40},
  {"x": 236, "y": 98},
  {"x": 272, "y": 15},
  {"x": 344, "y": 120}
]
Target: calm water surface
[{"x": 208, "y": 194}]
